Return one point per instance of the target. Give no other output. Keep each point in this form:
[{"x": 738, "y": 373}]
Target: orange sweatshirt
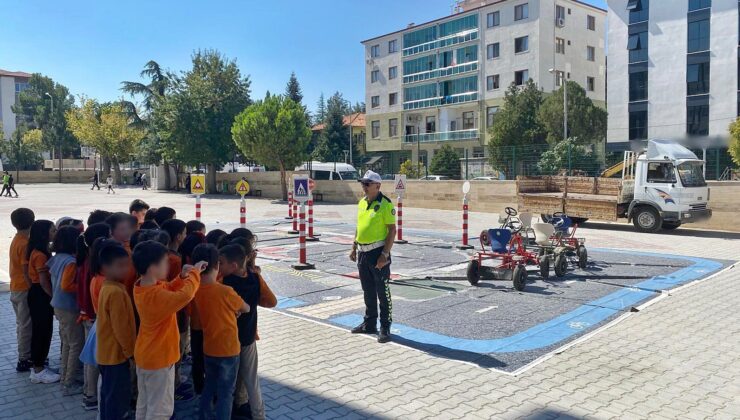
[
  {"x": 158, "y": 342},
  {"x": 17, "y": 258},
  {"x": 116, "y": 328},
  {"x": 95, "y": 285}
]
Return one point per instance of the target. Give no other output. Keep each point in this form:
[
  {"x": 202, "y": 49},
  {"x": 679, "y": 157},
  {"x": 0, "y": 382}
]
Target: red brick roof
[
  {"x": 357, "y": 119},
  {"x": 14, "y": 73}
]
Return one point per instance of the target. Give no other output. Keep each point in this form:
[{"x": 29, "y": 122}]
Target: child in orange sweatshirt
[
  {"x": 21, "y": 218},
  {"x": 157, "y": 344},
  {"x": 116, "y": 332}
]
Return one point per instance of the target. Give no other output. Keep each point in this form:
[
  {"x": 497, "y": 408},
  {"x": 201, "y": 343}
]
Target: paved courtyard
[{"x": 665, "y": 347}]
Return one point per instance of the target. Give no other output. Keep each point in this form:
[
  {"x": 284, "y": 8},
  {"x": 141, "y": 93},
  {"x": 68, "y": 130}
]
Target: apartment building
[
  {"x": 12, "y": 83},
  {"x": 673, "y": 73},
  {"x": 443, "y": 81}
]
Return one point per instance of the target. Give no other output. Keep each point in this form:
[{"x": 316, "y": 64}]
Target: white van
[{"x": 330, "y": 171}]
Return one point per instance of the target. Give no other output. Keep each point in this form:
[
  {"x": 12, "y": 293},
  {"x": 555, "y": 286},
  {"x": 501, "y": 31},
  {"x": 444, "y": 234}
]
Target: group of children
[{"x": 137, "y": 290}]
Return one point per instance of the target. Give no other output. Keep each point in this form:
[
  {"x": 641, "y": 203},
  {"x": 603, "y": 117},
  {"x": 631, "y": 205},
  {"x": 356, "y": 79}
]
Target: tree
[
  {"x": 320, "y": 110},
  {"x": 293, "y": 89},
  {"x": 24, "y": 147},
  {"x": 108, "y": 129},
  {"x": 275, "y": 133},
  {"x": 200, "y": 110},
  {"x": 515, "y": 125},
  {"x": 565, "y": 155},
  {"x": 446, "y": 162},
  {"x": 409, "y": 169},
  {"x": 734, "y": 147},
  {"x": 586, "y": 121},
  {"x": 358, "y": 107},
  {"x": 334, "y": 139},
  {"x": 34, "y": 109}
]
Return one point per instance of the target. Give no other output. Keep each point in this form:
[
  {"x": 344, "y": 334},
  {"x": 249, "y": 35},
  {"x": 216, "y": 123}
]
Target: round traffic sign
[{"x": 466, "y": 187}]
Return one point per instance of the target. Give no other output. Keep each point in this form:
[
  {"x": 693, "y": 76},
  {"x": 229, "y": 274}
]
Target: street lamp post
[
  {"x": 54, "y": 132},
  {"x": 565, "y": 102}
]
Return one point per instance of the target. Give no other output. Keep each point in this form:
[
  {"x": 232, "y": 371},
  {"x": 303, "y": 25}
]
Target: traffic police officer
[{"x": 376, "y": 231}]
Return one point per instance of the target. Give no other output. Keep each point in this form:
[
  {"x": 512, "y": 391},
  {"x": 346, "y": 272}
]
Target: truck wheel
[
  {"x": 646, "y": 219},
  {"x": 671, "y": 225},
  {"x": 519, "y": 277},
  {"x": 561, "y": 265},
  {"x": 582, "y": 257},
  {"x": 545, "y": 267},
  {"x": 473, "y": 273}
]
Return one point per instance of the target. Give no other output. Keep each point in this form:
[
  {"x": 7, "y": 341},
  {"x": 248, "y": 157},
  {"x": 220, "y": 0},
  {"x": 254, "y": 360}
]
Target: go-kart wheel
[
  {"x": 484, "y": 238},
  {"x": 473, "y": 272},
  {"x": 582, "y": 257},
  {"x": 519, "y": 277},
  {"x": 545, "y": 267},
  {"x": 561, "y": 265}
]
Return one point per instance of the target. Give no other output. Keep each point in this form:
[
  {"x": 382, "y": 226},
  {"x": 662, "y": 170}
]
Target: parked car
[
  {"x": 330, "y": 171},
  {"x": 435, "y": 178}
]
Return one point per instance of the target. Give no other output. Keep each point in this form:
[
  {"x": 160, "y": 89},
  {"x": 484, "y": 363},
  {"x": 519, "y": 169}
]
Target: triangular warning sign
[
  {"x": 300, "y": 190},
  {"x": 197, "y": 185},
  {"x": 242, "y": 187},
  {"x": 399, "y": 185}
]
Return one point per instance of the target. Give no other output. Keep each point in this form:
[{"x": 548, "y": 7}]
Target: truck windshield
[
  {"x": 692, "y": 174},
  {"x": 348, "y": 175}
]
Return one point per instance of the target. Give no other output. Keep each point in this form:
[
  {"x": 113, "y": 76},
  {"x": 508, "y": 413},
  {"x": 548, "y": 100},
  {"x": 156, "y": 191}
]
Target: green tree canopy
[
  {"x": 410, "y": 169},
  {"x": 734, "y": 147},
  {"x": 334, "y": 139},
  {"x": 273, "y": 132},
  {"x": 516, "y": 125},
  {"x": 446, "y": 162},
  {"x": 586, "y": 121},
  {"x": 564, "y": 156},
  {"x": 320, "y": 115}
]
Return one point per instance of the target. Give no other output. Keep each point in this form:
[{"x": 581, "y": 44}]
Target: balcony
[
  {"x": 454, "y": 39},
  {"x": 471, "y": 134},
  {"x": 443, "y": 72},
  {"x": 441, "y": 100}
]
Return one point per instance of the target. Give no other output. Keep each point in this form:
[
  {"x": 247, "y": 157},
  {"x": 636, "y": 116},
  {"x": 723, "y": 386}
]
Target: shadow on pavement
[
  {"x": 548, "y": 414},
  {"x": 678, "y": 232}
]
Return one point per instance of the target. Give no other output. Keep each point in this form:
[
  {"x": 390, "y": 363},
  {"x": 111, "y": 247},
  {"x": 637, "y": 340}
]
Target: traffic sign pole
[
  {"x": 302, "y": 264},
  {"x": 295, "y": 231},
  {"x": 311, "y": 235},
  {"x": 243, "y": 212},
  {"x": 197, "y": 208},
  {"x": 399, "y": 222},
  {"x": 290, "y": 205},
  {"x": 465, "y": 244}
]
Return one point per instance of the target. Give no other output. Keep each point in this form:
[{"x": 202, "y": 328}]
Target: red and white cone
[
  {"x": 243, "y": 213},
  {"x": 464, "y": 244},
  {"x": 312, "y": 236},
  {"x": 399, "y": 222},
  {"x": 290, "y": 205},
  {"x": 302, "y": 263},
  {"x": 197, "y": 208},
  {"x": 294, "y": 231}
]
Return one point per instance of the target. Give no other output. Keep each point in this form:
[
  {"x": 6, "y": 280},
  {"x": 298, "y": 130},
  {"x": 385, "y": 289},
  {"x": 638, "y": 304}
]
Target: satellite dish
[{"x": 466, "y": 187}]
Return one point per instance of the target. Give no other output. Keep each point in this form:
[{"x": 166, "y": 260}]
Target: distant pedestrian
[
  {"x": 187, "y": 182},
  {"x": 143, "y": 182},
  {"x": 6, "y": 180},
  {"x": 109, "y": 183},
  {"x": 137, "y": 177},
  {"x": 11, "y": 186},
  {"x": 95, "y": 181}
]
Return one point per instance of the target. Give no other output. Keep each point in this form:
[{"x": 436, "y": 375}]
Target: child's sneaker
[
  {"x": 69, "y": 390},
  {"x": 44, "y": 377},
  {"x": 89, "y": 403},
  {"x": 23, "y": 366}
]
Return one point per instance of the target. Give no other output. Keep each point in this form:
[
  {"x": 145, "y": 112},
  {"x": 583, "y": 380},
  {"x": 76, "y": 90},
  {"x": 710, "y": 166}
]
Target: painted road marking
[
  {"x": 484, "y": 310},
  {"x": 326, "y": 310},
  {"x": 290, "y": 271},
  {"x": 566, "y": 325}
]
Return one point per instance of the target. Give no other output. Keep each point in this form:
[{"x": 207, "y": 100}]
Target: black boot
[
  {"x": 364, "y": 329},
  {"x": 385, "y": 335}
]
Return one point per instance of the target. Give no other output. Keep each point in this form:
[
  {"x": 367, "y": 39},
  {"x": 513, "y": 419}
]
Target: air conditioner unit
[
  {"x": 560, "y": 22},
  {"x": 369, "y": 61}
]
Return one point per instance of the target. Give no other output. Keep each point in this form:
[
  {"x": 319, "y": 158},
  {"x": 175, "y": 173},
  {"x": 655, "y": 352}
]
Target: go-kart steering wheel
[
  {"x": 515, "y": 226},
  {"x": 510, "y": 211},
  {"x": 559, "y": 214}
]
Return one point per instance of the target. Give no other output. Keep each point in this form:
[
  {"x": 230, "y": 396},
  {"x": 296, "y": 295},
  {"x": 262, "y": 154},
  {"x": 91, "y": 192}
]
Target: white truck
[{"x": 660, "y": 188}]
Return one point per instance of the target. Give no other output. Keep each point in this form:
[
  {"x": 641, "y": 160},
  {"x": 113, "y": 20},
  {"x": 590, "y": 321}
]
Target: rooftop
[
  {"x": 357, "y": 120},
  {"x": 7, "y": 73}
]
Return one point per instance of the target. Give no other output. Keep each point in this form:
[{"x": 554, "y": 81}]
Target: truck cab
[{"x": 669, "y": 188}]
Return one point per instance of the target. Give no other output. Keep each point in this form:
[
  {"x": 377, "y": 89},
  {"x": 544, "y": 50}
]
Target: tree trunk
[
  {"x": 106, "y": 168},
  {"x": 117, "y": 172},
  {"x": 178, "y": 167},
  {"x": 167, "y": 180},
  {"x": 211, "y": 179},
  {"x": 283, "y": 183}
]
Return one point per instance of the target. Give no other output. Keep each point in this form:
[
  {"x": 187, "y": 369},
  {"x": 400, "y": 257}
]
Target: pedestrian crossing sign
[
  {"x": 400, "y": 184},
  {"x": 301, "y": 193},
  {"x": 242, "y": 187},
  {"x": 198, "y": 184}
]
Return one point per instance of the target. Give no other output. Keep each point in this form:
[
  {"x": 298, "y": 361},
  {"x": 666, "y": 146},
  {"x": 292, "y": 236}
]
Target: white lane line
[{"x": 480, "y": 311}]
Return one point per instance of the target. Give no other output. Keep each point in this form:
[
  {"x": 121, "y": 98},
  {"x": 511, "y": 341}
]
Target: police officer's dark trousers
[{"x": 375, "y": 288}]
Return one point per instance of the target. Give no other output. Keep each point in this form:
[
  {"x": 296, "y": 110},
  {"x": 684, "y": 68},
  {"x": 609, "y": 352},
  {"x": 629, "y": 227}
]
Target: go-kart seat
[
  {"x": 499, "y": 239},
  {"x": 526, "y": 219},
  {"x": 542, "y": 233}
]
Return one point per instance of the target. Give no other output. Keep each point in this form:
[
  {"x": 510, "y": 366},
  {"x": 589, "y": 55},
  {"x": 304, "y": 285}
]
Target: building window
[
  {"x": 637, "y": 44},
  {"x": 697, "y": 79},
  {"x": 375, "y": 129},
  {"x": 559, "y": 77},
  {"x": 559, "y": 45},
  {"x": 521, "y": 44},
  {"x": 521, "y": 77},
  {"x": 638, "y": 86},
  {"x": 492, "y": 50},
  {"x": 392, "y": 99},
  {"x": 375, "y": 51},
  {"x": 374, "y": 76},
  {"x": 494, "y": 19},
  {"x": 375, "y": 101},
  {"x": 393, "y": 127},
  {"x": 639, "y": 10},
  {"x": 478, "y": 152},
  {"x": 697, "y": 120},
  {"x": 590, "y": 53},
  {"x": 560, "y": 16},
  {"x": 490, "y": 114},
  {"x": 638, "y": 125},
  {"x": 468, "y": 120},
  {"x": 431, "y": 124},
  {"x": 392, "y": 46},
  {"x": 699, "y": 4},
  {"x": 590, "y": 84},
  {"x": 392, "y": 72},
  {"x": 591, "y": 23},
  {"x": 521, "y": 11},
  {"x": 492, "y": 82},
  {"x": 699, "y": 36}
]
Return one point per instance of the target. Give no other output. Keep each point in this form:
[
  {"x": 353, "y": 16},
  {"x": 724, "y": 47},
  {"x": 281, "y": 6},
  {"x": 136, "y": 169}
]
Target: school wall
[{"x": 68, "y": 177}]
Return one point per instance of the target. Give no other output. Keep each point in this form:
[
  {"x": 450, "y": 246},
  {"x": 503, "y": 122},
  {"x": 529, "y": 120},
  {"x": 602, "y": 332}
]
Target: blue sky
[{"x": 91, "y": 46}]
